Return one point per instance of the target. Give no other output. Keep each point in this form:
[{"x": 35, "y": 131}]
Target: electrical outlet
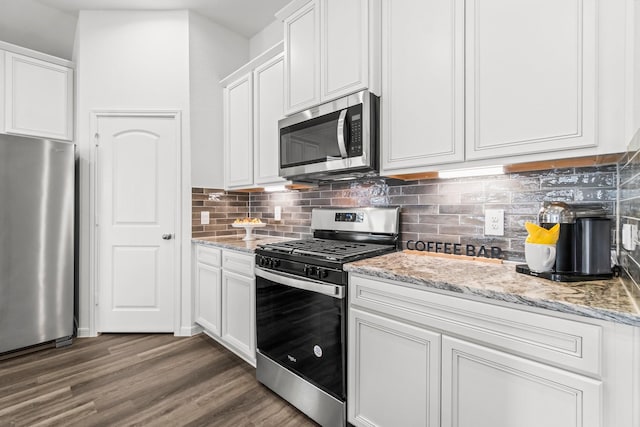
[
  {"x": 277, "y": 213},
  {"x": 204, "y": 217},
  {"x": 494, "y": 222}
]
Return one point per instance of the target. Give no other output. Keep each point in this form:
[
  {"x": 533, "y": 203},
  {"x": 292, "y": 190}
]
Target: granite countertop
[
  {"x": 604, "y": 299},
  {"x": 236, "y": 242}
]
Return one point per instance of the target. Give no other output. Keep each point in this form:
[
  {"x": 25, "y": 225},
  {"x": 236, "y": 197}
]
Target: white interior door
[{"x": 136, "y": 215}]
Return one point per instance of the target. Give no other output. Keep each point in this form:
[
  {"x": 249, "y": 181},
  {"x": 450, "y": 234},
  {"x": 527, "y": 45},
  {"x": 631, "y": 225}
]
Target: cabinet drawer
[
  {"x": 208, "y": 255},
  {"x": 238, "y": 263},
  {"x": 569, "y": 344}
]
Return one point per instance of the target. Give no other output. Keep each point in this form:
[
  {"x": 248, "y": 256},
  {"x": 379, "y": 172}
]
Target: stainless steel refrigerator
[{"x": 36, "y": 242}]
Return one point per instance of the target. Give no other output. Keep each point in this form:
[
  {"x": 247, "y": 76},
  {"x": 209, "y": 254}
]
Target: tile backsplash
[
  {"x": 223, "y": 209},
  {"x": 629, "y": 209},
  {"x": 432, "y": 210}
]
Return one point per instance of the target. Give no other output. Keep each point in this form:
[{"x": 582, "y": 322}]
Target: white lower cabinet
[
  {"x": 482, "y": 387},
  {"x": 208, "y": 297},
  {"x": 423, "y": 358},
  {"x": 393, "y": 372},
  {"x": 238, "y": 313},
  {"x": 225, "y": 298}
]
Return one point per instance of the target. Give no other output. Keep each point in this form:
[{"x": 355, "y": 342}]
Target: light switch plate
[
  {"x": 629, "y": 236},
  {"x": 494, "y": 222},
  {"x": 277, "y": 213},
  {"x": 204, "y": 217}
]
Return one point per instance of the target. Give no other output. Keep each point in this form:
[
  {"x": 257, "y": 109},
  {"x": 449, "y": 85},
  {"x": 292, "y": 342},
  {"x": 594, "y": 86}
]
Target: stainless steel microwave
[{"x": 334, "y": 141}]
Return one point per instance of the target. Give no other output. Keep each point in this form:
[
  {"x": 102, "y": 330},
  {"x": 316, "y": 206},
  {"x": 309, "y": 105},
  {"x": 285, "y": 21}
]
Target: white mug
[{"x": 540, "y": 258}]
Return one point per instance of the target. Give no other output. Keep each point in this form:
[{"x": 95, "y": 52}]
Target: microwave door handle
[{"x": 341, "y": 143}]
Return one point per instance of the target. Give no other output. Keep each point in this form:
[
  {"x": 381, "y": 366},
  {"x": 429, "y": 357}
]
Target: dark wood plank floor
[{"x": 130, "y": 379}]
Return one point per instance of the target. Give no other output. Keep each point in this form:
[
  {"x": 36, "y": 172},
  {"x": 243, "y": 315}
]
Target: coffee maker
[{"x": 583, "y": 249}]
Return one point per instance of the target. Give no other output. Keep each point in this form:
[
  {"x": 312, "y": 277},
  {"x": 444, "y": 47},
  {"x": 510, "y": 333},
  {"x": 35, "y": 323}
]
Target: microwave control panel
[{"x": 355, "y": 145}]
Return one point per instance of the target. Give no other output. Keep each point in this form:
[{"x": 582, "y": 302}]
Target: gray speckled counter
[
  {"x": 605, "y": 300},
  {"x": 236, "y": 242}
]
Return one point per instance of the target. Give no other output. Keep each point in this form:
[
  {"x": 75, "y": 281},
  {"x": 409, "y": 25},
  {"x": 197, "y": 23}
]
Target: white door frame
[{"x": 93, "y": 234}]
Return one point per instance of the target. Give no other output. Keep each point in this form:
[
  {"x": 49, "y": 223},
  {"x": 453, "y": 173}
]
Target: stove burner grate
[{"x": 334, "y": 249}]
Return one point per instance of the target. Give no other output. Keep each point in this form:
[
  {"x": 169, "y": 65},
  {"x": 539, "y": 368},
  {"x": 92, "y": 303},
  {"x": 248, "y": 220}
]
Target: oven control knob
[
  {"x": 261, "y": 261},
  {"x": 321, "y": 273},
  {"x": 276, "y": 263}
]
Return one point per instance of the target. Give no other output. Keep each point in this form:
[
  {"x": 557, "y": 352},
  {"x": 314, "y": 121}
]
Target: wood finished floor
[{"x": 124, "y": 380}]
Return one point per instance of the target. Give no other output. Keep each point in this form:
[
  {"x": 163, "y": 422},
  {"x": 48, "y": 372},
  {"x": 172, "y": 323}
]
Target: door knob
[{"x": 167, "y": 236}]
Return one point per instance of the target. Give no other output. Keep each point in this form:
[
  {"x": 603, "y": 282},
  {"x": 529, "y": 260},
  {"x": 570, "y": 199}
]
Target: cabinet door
[
  {"x": 302, "y": 67},
  {"x": 208, "y": 297},
  {"x": 393, "y": 373},
  {"x": 39, "y": 98},
  {"x": 482, "y": 387},
  {"x": 238, "y": 130},
  {"x": 238, "y": 313},
  {"x": 530, "y": 77},
  {"x": 268, "y": 109},
  {"x": 345, "y": 47},
  {"x": 2, "y": 90},
  {"x": 422, "y": 103}
]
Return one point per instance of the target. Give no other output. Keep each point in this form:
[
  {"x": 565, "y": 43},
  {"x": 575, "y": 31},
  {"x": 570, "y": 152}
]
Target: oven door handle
[{"x": 328, "y": 289}]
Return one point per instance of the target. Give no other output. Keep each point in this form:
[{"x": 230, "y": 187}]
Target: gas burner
[
  {"x": 327, "y": 249},
  {"x": 340, "y": 236}
]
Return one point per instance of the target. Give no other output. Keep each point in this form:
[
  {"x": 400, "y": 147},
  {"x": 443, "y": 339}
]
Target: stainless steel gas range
[{"x": 301, "y": 307}]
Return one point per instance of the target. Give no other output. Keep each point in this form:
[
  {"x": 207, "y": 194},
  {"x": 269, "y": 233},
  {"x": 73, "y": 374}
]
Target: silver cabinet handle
[
  {"x": 167, "y": 236},
  {"x": 341, "y": 145}
]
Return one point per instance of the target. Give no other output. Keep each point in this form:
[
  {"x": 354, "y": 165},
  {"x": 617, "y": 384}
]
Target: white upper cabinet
[
  {"x": 422, "y": 102},
  {"x": 531, "y": 76},
  {"x": 332, "y": 50},
  {"x": 268, "y": 109},
  {"x": 238, "y": 128},
  {"x": 253, "y": 104},
  {"x": 302, "y": 62},
  {"x": 345, "y": 46},
  {"x": 473, "y": 83},
  {"x": 38, "y": 98}
]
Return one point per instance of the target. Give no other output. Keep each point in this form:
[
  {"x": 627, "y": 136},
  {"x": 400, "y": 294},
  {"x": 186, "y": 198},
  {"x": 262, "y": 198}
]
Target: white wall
[
  {"x": 269, "y": 36},
  {"x": 31, "y": 24},
  {"x": 636, "y": 71},
  {"x": 214, "y": 52},
  {"x": 126, "y": 60}
]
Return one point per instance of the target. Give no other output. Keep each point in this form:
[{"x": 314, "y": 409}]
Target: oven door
[{"x": 301, "y": 326}]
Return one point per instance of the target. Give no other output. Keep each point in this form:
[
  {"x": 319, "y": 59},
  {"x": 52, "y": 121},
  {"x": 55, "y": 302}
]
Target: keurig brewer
[{"x": 583, "y": 249}]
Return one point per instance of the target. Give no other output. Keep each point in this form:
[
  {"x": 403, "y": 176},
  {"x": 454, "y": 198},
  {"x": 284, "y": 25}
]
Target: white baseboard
[
  {"x": 84, "y": 333},
  {"x": 189, "y": 331}
]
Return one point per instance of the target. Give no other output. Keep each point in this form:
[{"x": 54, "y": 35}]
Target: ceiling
[
  {"x": 49, "y": 25},
  {"x": 245, "y": 17}
]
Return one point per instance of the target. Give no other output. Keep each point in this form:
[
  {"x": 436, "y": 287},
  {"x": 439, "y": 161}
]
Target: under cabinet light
[
  {"x": 271, "y": 188},
  {"x": 463, "y": 173}
]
